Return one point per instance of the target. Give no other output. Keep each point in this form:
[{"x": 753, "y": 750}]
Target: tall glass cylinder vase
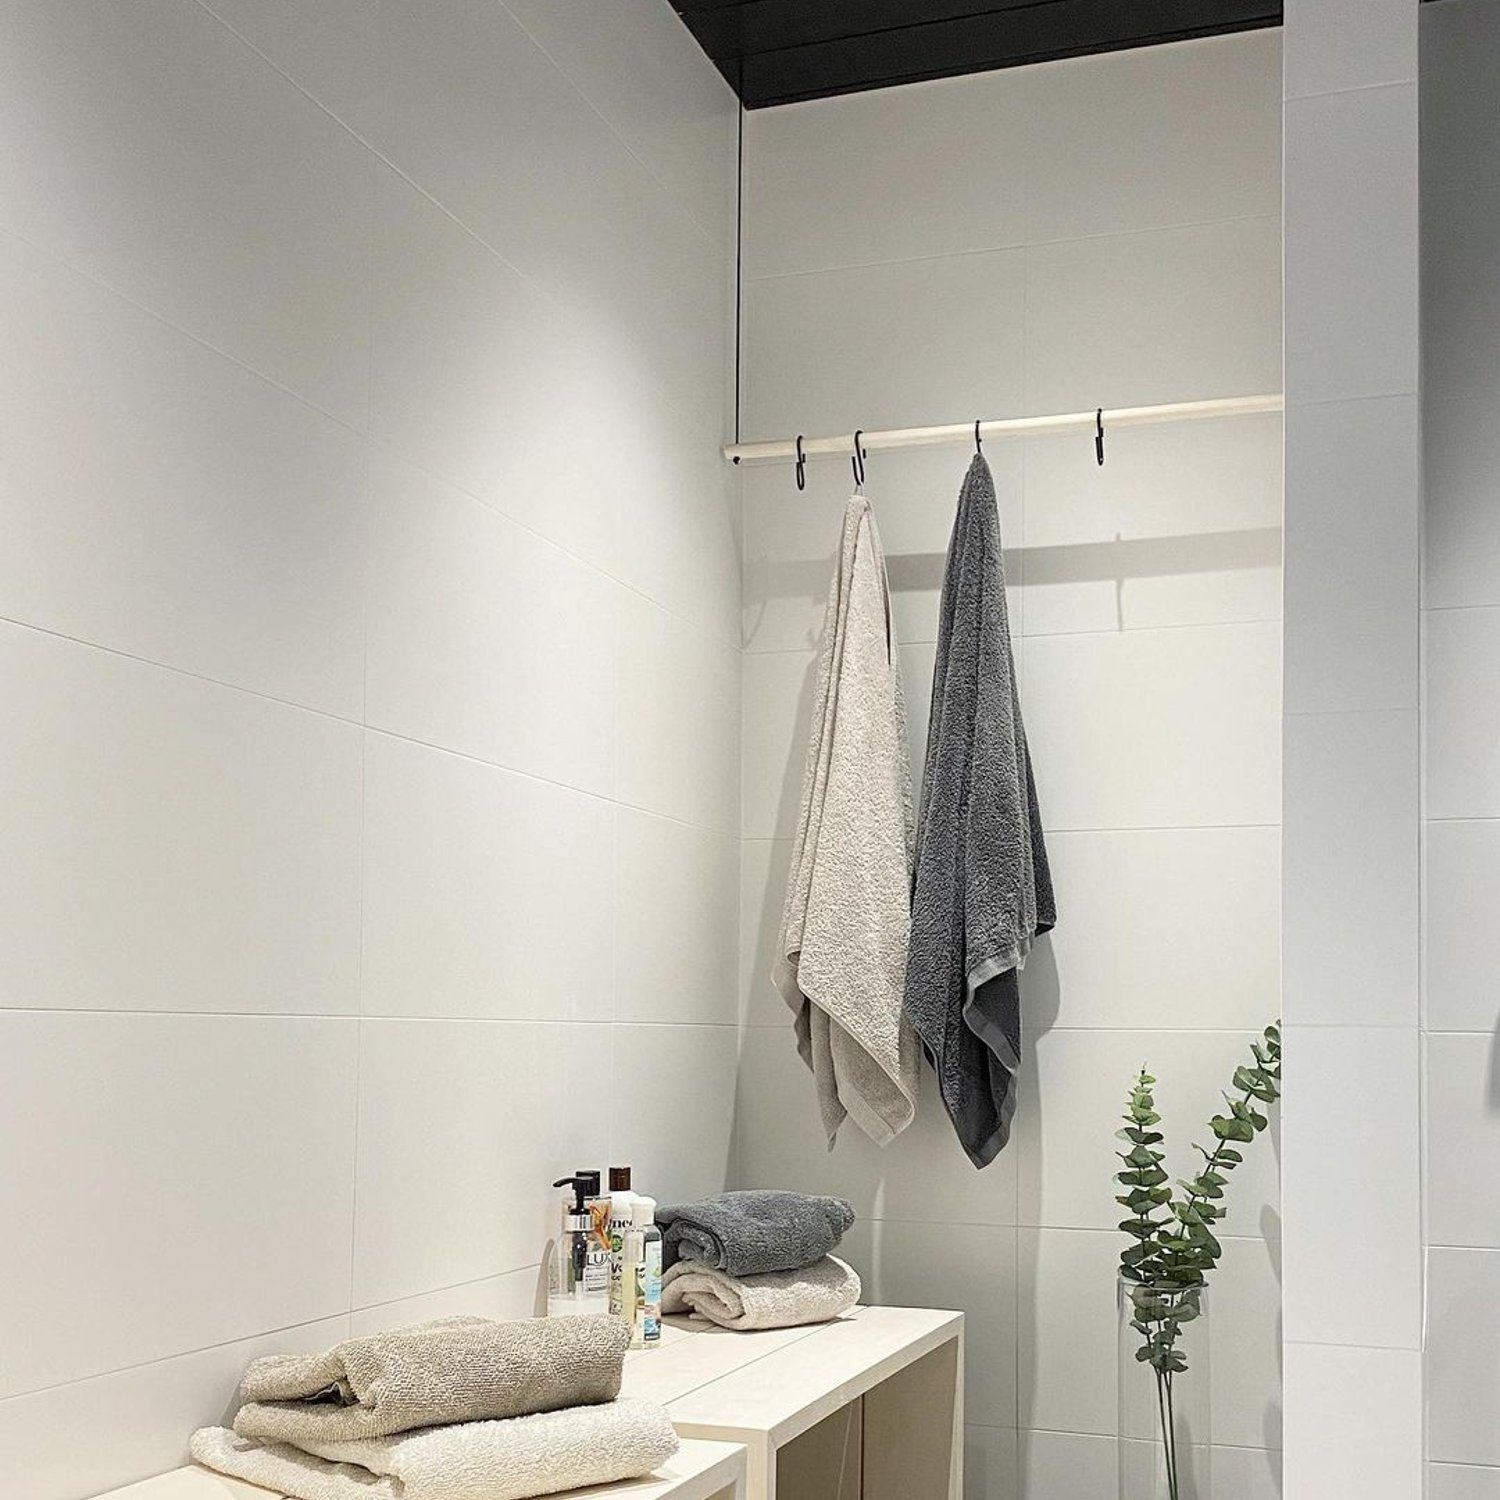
[{"x": 1166, "y": 1447}]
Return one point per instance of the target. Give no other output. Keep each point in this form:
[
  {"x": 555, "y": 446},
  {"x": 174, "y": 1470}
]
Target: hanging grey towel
[
  {"x": 841, "y": 955},
  {"x": 754, "y": 1231},
  {"x": 452, "y": 1370},
  {"x": 983, "y": 890}
]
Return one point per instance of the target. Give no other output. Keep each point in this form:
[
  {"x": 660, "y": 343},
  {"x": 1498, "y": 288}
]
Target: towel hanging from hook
[
  {"x": 857, "y": 460},
  {"x": 801, "y": 465}
]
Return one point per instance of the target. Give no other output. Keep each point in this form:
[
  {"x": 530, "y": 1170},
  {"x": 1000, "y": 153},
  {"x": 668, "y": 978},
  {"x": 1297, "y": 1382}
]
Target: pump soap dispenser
[{"x": 578, "y": 1284}]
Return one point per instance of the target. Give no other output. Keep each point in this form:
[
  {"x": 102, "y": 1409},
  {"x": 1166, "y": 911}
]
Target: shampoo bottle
[{"x": 645, "y": 1242}]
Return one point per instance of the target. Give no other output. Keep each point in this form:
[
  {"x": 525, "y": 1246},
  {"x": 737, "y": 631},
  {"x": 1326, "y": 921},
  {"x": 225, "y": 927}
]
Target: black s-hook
[
  {"x": 1099, "y": 436},
  {"x": 978, "y": 443},
  {"x": 801, "y": 465},
  {"x": 857, "y": 461}
]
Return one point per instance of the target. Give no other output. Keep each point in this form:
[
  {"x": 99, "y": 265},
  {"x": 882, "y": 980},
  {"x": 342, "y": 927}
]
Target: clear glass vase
[{"x": 1166, "y": 1446}]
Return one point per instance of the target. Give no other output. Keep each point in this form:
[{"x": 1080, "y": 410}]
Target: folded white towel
[
  {"x": 776, "y": 1299},
  {"x": 511, "y": 1459}
]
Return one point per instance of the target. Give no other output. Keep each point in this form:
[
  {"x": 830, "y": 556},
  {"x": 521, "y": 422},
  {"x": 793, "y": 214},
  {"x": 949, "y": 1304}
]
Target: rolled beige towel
[
  {"x": 512, "y": 1459},
  {"x": 453, "y": 1370},
  {"x": 775, "y": 1299}
]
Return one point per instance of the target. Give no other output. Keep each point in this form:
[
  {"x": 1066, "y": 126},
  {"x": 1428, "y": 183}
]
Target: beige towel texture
[
  {"x": 506, "y": 1460},
  {"x": 841, "y": 957},
  {"x": 777, "y": 1299},
  {"x": 452, "y": 1370}
]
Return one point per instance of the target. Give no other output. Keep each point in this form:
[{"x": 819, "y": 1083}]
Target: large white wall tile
[
  {"x": 1354, "y": 1422},
  {"x": 1153, "y": 137},
  {"x": 1351, "y": 1188},
  {"x": 1352, "y": 808},
  {"x": 1460, "y": 286},
  {"x": 463, "y": 1126},
  {"x": 471, "y": 106},
  {"x": 1462, "y": 1093},
  {"x": 958, "y": 322},
  {"x": 1155, "y": 728},
  {"x": 1460, "y": 56},
  {"x": 1351, "y": 554},
  {"x": 990, "y": 1463},
  {"x": 99, "y": 104},
  {"x": 672, "y": 1121},
  {"x": 641, "y": 68},
  {"x": 1463, "y": 713},
  {"x": 919, "y": 1176},
  {"x": 137, "y": 1420},
  {"x": 1079, "y": 1465},
  {"x": 678, "y": 742},
  {"x": 176, "y": 1203},
  {"x": 1128, "y": 319},
  {"x": 516, "y": 1294},
  {"x": 1461, "y": 477},
  {"x": 966, "y": 1266},
  {"x": 1462, "y": 879},
  {"x": 484, "y": 639},
  {"x": 1066, "y": 1329},
  {"x": 1245, "y": 1334},
  {"x": 676, "y": 935},
  {"x": 171, "y": 844},
  {"x": 1182, "y": 526},
  {"x": 1075, "y": 1089},
  {"x": 778, "y": 695},
  {"x": 1165, "y": 928},
  {"x": 1351, "y": 179},
  {"x": 487, "y": 894},
  {"x": 815, "y": 173},
  {"x": 764, "y": 864},
  {"x": 166, "y": 503},
  {"x": 1348, "y": 44},
  {"x": 1462, "y": 1482},
  {"x": 477, "y": 378},
  {"x": 1463, "y": 1374}
]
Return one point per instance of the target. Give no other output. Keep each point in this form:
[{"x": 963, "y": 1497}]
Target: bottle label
[{"x": 650, "y": 1300}]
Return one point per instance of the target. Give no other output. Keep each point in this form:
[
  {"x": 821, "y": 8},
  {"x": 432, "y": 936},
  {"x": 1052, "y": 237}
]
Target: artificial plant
[{"x": 1172, "y": 1245}]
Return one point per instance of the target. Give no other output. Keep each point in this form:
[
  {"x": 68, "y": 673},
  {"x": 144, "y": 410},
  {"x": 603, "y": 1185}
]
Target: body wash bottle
[
  {"x": 620, "y": 1201},
  {"x": 578, "y": 1283}
]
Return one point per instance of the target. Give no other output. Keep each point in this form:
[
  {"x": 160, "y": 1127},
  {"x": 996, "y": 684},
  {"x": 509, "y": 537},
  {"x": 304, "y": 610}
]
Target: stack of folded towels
[
  {"x": 757, "y": 1259},
  {"x": 460, "y": 1409}
]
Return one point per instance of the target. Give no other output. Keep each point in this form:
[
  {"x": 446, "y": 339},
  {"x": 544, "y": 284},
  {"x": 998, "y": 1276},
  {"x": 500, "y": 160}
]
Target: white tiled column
[{"x": 1351, "y": 923}]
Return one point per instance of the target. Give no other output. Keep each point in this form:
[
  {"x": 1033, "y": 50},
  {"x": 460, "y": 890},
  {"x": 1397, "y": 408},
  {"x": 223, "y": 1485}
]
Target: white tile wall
[
  {"x": 368, "y": 631},
  {"x": 1062, "y": 245},
  {"x": 1460, "y": 71}
]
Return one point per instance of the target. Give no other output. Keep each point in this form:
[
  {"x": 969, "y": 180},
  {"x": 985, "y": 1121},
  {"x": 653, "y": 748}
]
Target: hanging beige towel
[{"x": 841, "y": 959}]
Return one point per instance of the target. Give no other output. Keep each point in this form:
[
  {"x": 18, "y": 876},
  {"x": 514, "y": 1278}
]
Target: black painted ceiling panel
[{"x": 779, "y": 51}]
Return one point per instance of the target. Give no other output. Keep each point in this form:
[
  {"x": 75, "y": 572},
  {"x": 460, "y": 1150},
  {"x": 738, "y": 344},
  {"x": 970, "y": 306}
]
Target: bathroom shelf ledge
[
  {"x": 698, "y": 1471},
  {"x": 868, "y": 1405}
]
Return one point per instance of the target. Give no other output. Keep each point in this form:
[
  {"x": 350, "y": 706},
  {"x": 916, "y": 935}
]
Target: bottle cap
[
  {"x": 619, "y": 1179},
  {"x": 643, "y": 1212}
]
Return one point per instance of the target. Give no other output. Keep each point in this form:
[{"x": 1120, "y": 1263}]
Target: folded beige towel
[
  {"x": 506, "y": 1460},
  {"x": 453, "y": 1370},
  {"x": 776, "y": 1299}
]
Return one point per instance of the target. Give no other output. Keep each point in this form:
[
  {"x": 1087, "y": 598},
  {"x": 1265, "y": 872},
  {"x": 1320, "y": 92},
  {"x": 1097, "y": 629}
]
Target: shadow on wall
[{"x": 1121, "y": 561}]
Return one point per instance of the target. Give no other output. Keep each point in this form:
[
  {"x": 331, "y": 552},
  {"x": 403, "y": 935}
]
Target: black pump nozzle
[{"x": 584, "y": 1185}]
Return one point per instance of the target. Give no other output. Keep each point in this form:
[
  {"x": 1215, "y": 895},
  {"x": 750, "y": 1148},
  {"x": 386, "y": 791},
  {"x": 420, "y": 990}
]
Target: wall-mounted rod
[{"x": 963, "y": 432}]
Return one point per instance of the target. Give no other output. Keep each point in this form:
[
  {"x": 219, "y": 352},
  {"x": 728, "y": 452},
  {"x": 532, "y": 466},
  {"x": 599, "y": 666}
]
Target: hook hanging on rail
[
  {"x": 801, "y": 465},
  {"x": 1099, "y": 436},
  {"x": 857, "y": 460},
  {"x": 978, "y": 442}
]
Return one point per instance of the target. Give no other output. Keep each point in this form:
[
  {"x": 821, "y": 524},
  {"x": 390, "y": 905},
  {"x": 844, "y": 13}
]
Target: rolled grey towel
[
  {"x": 453, "y": 1370},
  {"x": 751, "y": 1232},
  {"x": 983, "y": 890}
]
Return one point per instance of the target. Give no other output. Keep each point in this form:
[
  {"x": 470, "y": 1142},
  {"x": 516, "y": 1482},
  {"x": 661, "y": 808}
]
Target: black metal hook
[
  {"x": 801, "y": 465},
  {"x": 857, "y": 461},
  {"x": 978, "y": 442},
  {"x": 1099, "y": 436}
]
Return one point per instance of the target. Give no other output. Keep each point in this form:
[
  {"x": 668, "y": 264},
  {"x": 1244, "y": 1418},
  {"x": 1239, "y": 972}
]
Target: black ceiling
[{"x": 777, "y": 51}]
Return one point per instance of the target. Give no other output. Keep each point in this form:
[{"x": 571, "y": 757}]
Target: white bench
[
  {"x": 867, "y": 1407},
  {"x": 698, "y": 1471}
]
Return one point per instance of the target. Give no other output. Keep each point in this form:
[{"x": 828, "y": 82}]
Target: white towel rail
[{"x": 963, "y": 432}]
